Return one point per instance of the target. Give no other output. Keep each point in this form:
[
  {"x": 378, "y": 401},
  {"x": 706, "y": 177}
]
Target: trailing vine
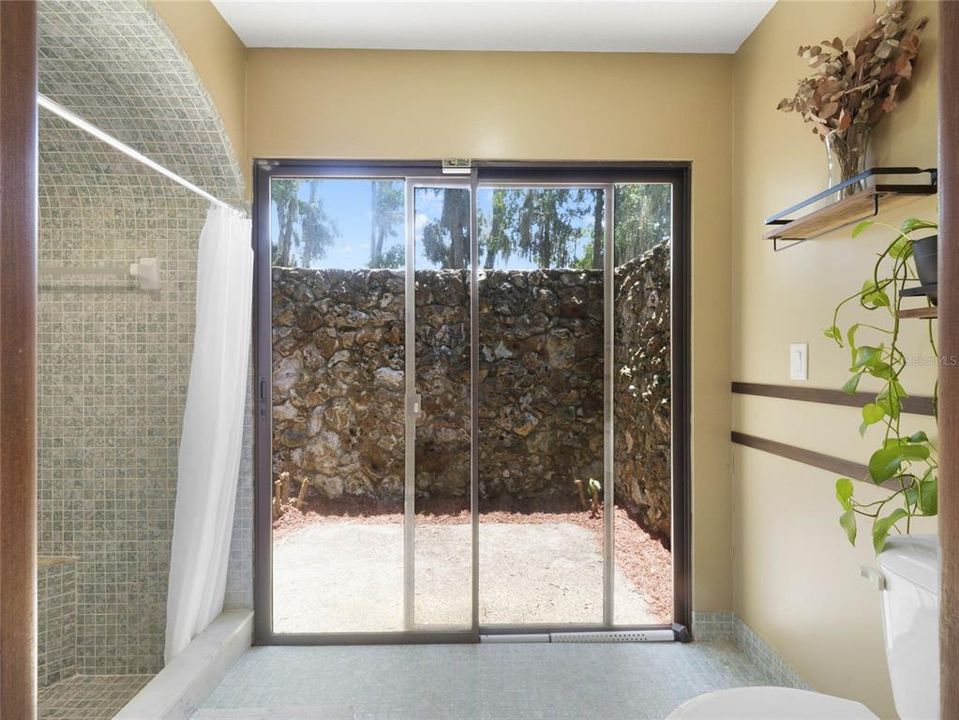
[{"x": 907, "y": 463}]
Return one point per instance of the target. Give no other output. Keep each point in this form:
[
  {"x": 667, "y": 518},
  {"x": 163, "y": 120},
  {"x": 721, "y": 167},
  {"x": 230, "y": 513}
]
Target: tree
[
  {"x": 317, "y": 231},
  {"x": 545, "y": 224},
  {"x": 284, "y": 193},
  {"x": 502, "y": 220},
  {"x": 387, "y": 214},
  {"x": 598, "y": 235},
  {"x": 446, "y": 241},
  {"x": 643, "y": 218},
  {"x": 303, "y": 224}
]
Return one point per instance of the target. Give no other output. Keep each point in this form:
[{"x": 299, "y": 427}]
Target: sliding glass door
[
  {"x": 439, "y": 497},
  {"x": 338, "y": 359},
  {"x": 471, "y": 411},
  {"x": 541, "y": 404}
]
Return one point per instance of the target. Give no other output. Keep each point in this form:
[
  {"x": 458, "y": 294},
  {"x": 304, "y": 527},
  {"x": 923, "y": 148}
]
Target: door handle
[{"x": 414, "y": 406}]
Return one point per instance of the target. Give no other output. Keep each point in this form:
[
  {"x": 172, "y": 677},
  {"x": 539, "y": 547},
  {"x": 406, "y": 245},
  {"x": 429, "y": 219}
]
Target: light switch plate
[{"x": 799, "y": 361}]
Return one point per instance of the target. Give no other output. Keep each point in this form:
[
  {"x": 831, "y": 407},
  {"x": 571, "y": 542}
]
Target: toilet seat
[{"x": 770, "y": 703}]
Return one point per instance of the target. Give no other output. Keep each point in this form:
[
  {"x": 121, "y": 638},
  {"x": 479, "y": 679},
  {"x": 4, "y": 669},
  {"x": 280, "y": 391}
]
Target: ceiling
[{"x": 687, "y": 26}]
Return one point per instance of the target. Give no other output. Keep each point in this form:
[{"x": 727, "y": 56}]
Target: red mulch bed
[{"x": 641, "y": 557}]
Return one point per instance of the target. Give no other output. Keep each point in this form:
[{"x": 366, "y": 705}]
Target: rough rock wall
[
  {"x": 338, "y": 358},
  {"x": 642, "y": 395},
  {"x": 541, "y": 381},
  {"x": 443, "y": 383},
  {"x": 339, "y": 382}
]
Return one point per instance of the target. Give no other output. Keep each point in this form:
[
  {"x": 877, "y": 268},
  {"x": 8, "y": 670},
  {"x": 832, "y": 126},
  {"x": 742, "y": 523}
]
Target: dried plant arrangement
[{"x": 856, "y": 83}]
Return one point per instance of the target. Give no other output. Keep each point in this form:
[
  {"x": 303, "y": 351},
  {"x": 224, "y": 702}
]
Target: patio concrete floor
[{"x": 348, "y": 577}]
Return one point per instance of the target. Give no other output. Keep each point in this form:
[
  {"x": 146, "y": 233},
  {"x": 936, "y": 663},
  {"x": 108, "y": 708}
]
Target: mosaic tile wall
[
  {"x": 57, "y": 619},
  {"x": 89, "y": 697},
  {"x": 114, "y": 360},
  {"x": 239, "y": 579}
]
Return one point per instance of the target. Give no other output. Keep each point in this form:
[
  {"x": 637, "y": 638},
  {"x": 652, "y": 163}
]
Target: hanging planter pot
[{"x": 925, "y": 251}]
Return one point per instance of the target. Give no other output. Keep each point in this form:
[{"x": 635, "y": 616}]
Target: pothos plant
[{"x": 904, "y": 461}]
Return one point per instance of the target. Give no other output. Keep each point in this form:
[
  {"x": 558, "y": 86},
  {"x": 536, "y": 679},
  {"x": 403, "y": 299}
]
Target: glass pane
[
  {"x": 338, "y": 404},
  {"x": 541, "y": 405},
  {"x": 641, "y": 401},
  {"x": 442, "y": 555}
]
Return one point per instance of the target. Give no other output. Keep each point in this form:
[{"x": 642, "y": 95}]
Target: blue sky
[{"x": 347, "y": 204}]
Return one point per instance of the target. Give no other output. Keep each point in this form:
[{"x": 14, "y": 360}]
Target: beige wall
[
  {"x": 220, "y": 60},
  {"x": 795, "y": 575},
  {"x": 766, "y": 542},
  {"x": 539, "y": 106}
]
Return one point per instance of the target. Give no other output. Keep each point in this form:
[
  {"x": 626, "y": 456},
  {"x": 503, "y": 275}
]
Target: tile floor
[
  {"x": 476, "y": 682},
  {"x": 89, "y": 697}
]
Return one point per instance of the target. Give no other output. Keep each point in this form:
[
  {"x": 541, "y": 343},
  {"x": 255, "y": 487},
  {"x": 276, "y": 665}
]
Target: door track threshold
[{"x": 588, "y": 636}]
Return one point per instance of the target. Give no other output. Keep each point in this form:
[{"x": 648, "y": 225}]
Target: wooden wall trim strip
[
  {"x": 918, "y": 405},
  {"x": 18, "y": 374},
  {"x": 949, "y": 348},
  {"x": 844, "y": 468}
]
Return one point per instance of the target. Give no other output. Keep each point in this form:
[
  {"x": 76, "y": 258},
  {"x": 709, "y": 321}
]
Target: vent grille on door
[{"x": 597, "y": 636}]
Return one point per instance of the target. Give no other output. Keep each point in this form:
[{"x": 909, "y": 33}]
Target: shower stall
[
  {"x": 114, "y": 344},
  {"x": 472, "y": 402}
]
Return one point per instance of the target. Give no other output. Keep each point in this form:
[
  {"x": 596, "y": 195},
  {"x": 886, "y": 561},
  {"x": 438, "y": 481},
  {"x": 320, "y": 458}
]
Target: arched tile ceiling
[{"x": 116, "y": 64}]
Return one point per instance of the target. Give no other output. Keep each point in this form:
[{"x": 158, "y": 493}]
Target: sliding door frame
[
  {"x": 413, "y": 404},
  {"x": 598, "y": 175}
]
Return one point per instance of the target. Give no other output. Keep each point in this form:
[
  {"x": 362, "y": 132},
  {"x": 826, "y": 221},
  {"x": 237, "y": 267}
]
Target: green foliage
[
  {"x": 304, "y": 226},
  {"x": 906, "y": 463},
  {"x": 643, "y": 218},
  {"x": 387, "y": 199},
  {"x": 882, "y": 526},
  {"x": 595, "y": 488},
  {"x": 551, "y": 227},
  {"x": 446, "y": 242},
  {"x": 848, "y": 523},
  {"x": 545, "y": 226}
]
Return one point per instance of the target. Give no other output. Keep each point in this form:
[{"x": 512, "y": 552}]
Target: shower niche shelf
[{"x": 792, "y": 229}]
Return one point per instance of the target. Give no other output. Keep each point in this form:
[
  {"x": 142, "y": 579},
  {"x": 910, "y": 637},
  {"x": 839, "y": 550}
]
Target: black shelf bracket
[{"x": 787, "y": 216}]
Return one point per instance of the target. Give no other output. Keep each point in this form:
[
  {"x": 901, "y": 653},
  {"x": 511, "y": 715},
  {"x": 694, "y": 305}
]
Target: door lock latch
[{"x": 414, "y": 406}]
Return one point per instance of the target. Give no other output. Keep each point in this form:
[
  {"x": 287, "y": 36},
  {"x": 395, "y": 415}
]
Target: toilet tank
[{"x": 910, "y": 610}]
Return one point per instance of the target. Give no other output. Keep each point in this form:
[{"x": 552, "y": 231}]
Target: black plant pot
[{"x": 925, "y": 251}]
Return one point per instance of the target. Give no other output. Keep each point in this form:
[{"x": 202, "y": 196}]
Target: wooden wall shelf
[
  {"x": 846, "y": 211},
  {"x": 914, "y": 404},
  {"x": 830, "y": 463},
  {"x": 922, "y": 313}
]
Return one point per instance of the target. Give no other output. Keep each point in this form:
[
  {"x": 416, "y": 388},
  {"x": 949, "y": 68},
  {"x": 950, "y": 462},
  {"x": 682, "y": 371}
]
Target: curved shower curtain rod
[{"x": 71, "y": 117}]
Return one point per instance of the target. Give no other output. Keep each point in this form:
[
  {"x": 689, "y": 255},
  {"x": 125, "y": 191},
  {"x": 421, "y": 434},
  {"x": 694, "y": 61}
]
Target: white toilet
[{"x": 910, "y": 609}]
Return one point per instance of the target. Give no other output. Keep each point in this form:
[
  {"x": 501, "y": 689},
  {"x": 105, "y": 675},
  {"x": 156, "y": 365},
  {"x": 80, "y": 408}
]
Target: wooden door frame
[
  {"x": 949, "y": 350},
  {"x": 18, "y": 359}
]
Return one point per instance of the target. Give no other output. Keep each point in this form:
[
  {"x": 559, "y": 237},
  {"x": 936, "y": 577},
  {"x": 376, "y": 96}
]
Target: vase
[{"x": 846, "y": 157}]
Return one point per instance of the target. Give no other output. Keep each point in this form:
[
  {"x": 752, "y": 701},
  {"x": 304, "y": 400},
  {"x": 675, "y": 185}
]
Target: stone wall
[
  {"x": 641, "y": 423},
  {"x": 541, "y": 381},
  {"x": 338, "y": 359},
  {"x": 339, "y": 382}
]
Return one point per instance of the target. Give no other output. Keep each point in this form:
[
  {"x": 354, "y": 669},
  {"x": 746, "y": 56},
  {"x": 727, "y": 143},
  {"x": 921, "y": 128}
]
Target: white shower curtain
[{"x": 212, "y": 436}]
